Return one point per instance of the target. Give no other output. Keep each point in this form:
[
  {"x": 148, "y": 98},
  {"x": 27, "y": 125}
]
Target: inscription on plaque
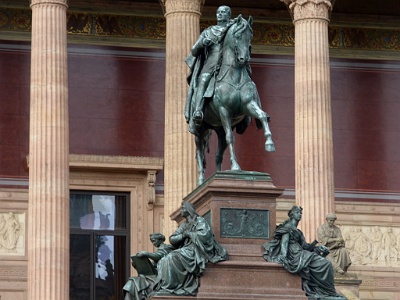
[{"x": 244, "y": 223}]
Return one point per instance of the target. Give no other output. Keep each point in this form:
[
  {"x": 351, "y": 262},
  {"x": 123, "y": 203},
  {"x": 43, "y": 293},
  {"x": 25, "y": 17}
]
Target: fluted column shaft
[
  {"x": 48, "y": 225},
  {"x": 180, "y": 169},
  {"x": 313, "y": 120}
]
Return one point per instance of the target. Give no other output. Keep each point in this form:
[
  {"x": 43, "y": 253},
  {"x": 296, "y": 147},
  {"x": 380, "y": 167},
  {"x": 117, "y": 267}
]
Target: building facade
[{"x": 92, "y": 123}]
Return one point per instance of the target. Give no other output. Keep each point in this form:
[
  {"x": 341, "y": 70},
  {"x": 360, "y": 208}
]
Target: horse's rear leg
[
  {"x": 221, "y": 148},
  {"x": 230, "y": 139}
]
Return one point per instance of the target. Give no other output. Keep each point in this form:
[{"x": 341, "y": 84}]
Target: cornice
[{"x": 114, "y": 162}]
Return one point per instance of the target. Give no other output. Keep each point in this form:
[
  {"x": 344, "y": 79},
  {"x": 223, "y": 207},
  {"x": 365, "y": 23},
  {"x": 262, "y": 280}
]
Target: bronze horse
[{"x": 235, "y": 99}]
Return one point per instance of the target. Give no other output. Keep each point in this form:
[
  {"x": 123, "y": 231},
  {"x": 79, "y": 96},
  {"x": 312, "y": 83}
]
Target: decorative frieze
[
  {"x": 373, "y": 245},
  {"x": 154, "y": 28}
]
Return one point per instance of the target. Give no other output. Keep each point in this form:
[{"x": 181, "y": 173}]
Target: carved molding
[
  {"x": 380, "y": 283},
  {"x": 103, "y": 179},
  {"x": 8, "y": 273},
  {"x": 89, "y": 165},
  {"x": 47, "y": 2},
  {"x": 151, "y": 181},
  {"x": 115, "y": 162},
  {"x": 14, "y": 195}
]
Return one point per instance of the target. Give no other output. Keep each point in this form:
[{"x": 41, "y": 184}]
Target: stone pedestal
[
  {"x": 239, "y": 280},
  {"x": 241, "y": 208},
  {"x": 348, "y": 285}
]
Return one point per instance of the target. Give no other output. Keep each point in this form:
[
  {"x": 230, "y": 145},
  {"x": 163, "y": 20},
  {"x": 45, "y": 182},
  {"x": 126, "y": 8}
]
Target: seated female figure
[
  {"x": 179, "y": 272},
  {"x": 289, "y": 248},
  {"x": 141, "y": 287}
]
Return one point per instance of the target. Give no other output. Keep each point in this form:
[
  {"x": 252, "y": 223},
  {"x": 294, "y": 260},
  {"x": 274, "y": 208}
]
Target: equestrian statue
[{"x": 222, "y": 96}]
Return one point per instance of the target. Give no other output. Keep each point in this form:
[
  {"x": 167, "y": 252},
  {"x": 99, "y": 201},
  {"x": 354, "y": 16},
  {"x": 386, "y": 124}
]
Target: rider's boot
[{"x": 197, "y": 117}]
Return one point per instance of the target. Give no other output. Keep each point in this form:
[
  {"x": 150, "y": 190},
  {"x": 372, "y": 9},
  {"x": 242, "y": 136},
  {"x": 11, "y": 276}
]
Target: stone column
[
  {"x": 48, "y": 222},
  {"x": 180, "y": 168},
  {"x": 313, "y": 121}
]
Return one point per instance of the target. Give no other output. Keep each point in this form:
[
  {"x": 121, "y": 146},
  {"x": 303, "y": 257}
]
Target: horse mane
[{"x": 242, "y": 25}]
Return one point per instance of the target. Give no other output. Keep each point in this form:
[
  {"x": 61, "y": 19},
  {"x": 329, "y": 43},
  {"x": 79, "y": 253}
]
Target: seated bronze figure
[
  {"x": 177, "y": 267},
  {"x": 290, "y": 249}
]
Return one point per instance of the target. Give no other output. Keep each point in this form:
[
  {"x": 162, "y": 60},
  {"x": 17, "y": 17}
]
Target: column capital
[
  {"x": 309, "y": 9},
  {"x": 182, "y": 6},
  {"x": 57, "y": 2}
]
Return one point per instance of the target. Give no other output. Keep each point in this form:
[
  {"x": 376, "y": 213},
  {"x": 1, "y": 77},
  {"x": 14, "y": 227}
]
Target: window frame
[{"x": 92, "y": 233}]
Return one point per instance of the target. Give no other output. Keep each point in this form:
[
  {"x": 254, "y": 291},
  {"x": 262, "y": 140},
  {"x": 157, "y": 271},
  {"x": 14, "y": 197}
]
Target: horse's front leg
[
  {"x": 230, "y": 139},
  {"x": 253, "y": 109},
  {"x": 269, "y": 144}
]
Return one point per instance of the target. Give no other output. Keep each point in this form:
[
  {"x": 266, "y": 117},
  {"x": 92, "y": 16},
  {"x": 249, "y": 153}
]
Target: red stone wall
[
  {"x": 116, "y": 102},
  {"x": 366, "y": 115},
  {"x": 116, "y": 98},
  {"x": 14, "y": 111}
]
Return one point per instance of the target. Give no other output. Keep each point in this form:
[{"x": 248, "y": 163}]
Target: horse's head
[{"x": 242, "y": 34}]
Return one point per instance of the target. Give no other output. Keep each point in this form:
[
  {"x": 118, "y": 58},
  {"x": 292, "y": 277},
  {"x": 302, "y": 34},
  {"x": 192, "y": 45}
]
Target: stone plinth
[
  {"x": 348, "y": 283},
  {"x": 249, "y": 280},
  {"x": 239, "y": 280},
  {"x": 241, "y": 208}
]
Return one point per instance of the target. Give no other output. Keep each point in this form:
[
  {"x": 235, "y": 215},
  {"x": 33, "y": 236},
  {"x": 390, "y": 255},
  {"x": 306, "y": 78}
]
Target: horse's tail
[
  {"x": 206, "y": 146},
  {"x": 207, "y": 141}
]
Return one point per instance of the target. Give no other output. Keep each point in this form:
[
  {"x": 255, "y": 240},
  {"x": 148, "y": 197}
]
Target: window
[{"x": 99, "y": 245}]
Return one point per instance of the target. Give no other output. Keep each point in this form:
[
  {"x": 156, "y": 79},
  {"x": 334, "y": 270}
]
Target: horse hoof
[
  {"x": 200, "y": 181},
  {"x": 270, "y": 147},
  {"x": 235, "y": 167}
]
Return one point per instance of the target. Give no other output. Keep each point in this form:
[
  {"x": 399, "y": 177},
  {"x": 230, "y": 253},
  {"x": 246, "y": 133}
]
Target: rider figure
[{"x": 208, "y": 44}]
